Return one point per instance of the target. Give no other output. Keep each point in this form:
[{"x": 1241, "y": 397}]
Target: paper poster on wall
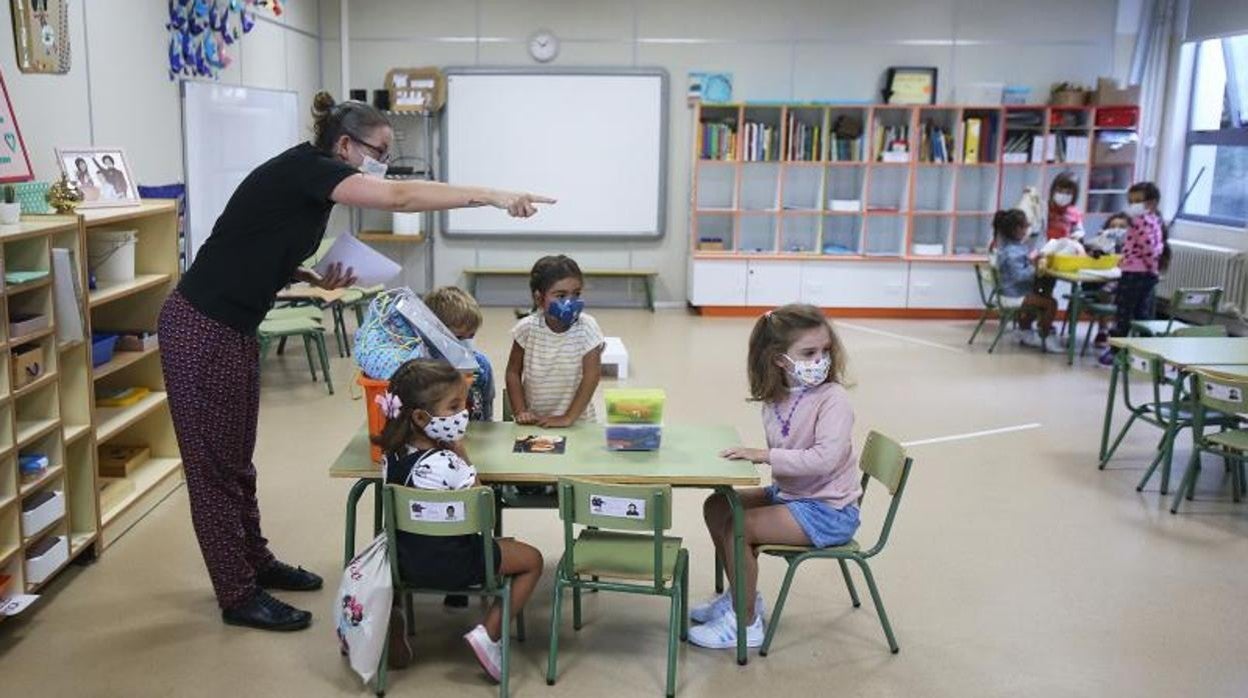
[
  {"x": 14, "y": 161},
  {"x": 41, "y": 35}
]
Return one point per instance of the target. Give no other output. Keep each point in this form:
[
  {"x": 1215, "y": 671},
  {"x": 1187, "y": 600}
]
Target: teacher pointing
[{"x": 209, "y": 349}]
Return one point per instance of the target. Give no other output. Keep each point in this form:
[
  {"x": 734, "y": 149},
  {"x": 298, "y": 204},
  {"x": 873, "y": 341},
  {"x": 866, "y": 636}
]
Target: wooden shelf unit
[{"x": 779, "y": 219}]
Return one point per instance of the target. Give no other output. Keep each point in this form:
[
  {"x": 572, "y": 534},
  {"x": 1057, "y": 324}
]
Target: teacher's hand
[
  {"x": 518, "y": 204},
  {"x": 334, "y": 277}
]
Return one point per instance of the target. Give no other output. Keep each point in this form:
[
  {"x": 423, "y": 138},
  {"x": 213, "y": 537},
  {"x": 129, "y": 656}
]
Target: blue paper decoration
[{"x": 201, "y": 30}]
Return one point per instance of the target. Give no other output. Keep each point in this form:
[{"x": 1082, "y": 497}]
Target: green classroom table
[
  {"x": 688, "y": 458},
  {"x": 1181, "y": 353},
  {"x": 1076, "y": 279}
]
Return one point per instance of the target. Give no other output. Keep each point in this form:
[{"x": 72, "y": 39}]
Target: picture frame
[
  {"x": 103, "y": 174},
  {"x": 14, "y": 158},
  {"x": 910, "y": 85}
]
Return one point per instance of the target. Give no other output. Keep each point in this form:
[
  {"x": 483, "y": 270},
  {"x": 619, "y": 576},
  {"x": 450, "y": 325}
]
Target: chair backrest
[
  {"x": 1196, "y": 299},
  {"x": 440, "y": 513},
  {"x": 1228, "y": 394},
  {"x": 886, "y": 461},
  {"x": 1201, "y": 331},
  {"x": 615, "y": 507},
  {"x": 985, "y": 279}
]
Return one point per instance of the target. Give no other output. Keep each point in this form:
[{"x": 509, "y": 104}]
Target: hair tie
[{"x": 390, "y": 405}]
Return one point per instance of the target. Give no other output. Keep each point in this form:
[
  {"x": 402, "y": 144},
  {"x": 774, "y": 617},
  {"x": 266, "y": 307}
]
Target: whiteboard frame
[
  {"x": 660, "y": 225},
  {"x": 188, "y": 238}
]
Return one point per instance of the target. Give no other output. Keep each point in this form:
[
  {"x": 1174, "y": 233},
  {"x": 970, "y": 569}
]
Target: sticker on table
[
  {"x": 436, "y": 512},
  {"x": 1141, "y": 364},
  {"x": 1227, "y": 393},
  {"x": 618, "y": 507},
  {"x": 543, "y": 443},
  {"x": 1170, "y": 371}
]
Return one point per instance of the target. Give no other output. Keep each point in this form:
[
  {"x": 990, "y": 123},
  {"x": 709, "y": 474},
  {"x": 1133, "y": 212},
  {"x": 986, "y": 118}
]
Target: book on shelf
[
  {"x": 1037, "y": 148},
  {"x": 892, "y": 143},
  {"x": 972, "y": 133},
  {"x": 803, "y": 140},
  {"x": 935, "y": 143},
  {"x": 1017, "y": 148},
  {"x": 762, "y": 142},
  {"x": 718, "y": 140},
  {"x": 842, "y": 149}
]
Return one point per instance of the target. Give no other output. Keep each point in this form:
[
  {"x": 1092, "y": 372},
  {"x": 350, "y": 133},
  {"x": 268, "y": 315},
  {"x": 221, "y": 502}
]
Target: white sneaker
[
  {"x": 1054, "y": 344},
  {"x": 719, "y": 605},
  {"x": 721, "y": 633},
  {"x": 1030, "y": 338},
  {"x": 489, "y": 653}
]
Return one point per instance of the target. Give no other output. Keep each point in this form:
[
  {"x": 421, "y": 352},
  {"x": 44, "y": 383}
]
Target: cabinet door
[
  {"x": 717, "y": 282},
  {"x": 943, "y": 286},
  {"x": 773, "y": 283},
  {"x": 854, "y": 284}
]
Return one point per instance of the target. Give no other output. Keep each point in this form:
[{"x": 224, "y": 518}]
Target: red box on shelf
[{"x": 1117, "y": 117}]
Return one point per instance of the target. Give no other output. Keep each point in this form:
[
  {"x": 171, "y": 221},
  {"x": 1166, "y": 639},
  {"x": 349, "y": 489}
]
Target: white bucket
[{"x": 110, "y": 255}]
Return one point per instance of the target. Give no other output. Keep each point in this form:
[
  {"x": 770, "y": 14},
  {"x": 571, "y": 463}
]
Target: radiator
[{"x": 1196, "y": 265}]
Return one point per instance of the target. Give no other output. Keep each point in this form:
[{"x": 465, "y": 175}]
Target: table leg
[
  {"x": 377, "y": 490},
  {"x": 650, "y": 293},
  {"x": 1109, "y": 406},
  {"x": 353, "y": 499},
  {"x": 738, "y": 568},
  {"x": 1072, "y": 313},
  {"x": 472, "y": 285}
]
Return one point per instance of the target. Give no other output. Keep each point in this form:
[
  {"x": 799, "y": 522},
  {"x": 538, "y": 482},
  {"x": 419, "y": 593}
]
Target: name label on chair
[
  {"x": 1196, "y": 299},
  {"x": 1170, "y": 371},
  {"x": 618, "y": 507},
  {"x": 436, "y": 512},
  {"x": 1141, "y": 364},
  {"x": 1228, "y": 393}
]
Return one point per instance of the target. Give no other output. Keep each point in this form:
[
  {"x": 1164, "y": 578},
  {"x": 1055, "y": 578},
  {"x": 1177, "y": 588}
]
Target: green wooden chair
[
  {"x": 607, "y": 549},
  {"x": 1171, "y": 414},
  {"x": 887, "y": 462},
  {"x": 1216, "y": 394},
  {"x": 989, "y": 283},
  {"x": 477, "y": 504},
  {"x": 1201, "y": 331},
  {"x": 1192, "y": 300},
  {"x": 309, "y": 330}
]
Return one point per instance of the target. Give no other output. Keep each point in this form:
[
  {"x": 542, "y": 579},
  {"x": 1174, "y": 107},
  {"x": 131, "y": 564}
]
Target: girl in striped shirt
[{"x": 556, "y": 355}]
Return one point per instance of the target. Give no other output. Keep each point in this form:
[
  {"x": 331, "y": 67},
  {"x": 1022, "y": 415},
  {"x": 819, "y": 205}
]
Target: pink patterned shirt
[{"x": 1141, "y": 251}]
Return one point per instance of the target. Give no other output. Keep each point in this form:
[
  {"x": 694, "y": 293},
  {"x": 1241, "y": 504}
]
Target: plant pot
[{"x": 10, "y": 214}]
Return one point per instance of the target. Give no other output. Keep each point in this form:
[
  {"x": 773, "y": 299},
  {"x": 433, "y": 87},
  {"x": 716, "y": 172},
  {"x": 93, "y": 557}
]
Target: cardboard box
[
  {"x": 1108, "y": 92},
  {"x": 28, "y": 364},
  {"x": 119, "y": 460},
  {"x": 420, "y": 90},
  {"x": 137, "y": 341}
]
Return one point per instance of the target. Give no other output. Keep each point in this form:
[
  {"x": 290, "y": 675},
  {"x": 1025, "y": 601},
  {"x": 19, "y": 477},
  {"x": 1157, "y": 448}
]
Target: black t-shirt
[{"x": 275, "y": 220}]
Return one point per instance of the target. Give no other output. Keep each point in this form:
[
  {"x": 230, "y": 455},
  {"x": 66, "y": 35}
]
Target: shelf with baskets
[{"x": 884, "y": 185}]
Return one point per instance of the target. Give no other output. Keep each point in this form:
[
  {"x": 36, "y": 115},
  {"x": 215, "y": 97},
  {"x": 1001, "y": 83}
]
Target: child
[
  {"x": 462, "y": 316},
  {"x": 427, "y": 415},
  {"x": 1016, "y": 268},
  {"x": 1108, "y": 241},
  {"x": 795, "y": 369},
  {"x": 556, "y": 355},
  {"x": 1064, "y": 220},
  {"x": 1143, "y": 255}
]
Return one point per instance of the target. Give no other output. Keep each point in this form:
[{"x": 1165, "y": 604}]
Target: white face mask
[
  {"x": 809, "y": 374},
  {"x": 373, "y": 168},
  {"x": 448, "y": 429},
  {"x": 1136, "y": 210},
  {"x": 1062, "y": 198}
]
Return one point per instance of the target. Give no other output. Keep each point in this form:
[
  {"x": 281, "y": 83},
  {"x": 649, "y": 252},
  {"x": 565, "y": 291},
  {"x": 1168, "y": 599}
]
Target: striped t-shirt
[{"x": 552, "y": 362}]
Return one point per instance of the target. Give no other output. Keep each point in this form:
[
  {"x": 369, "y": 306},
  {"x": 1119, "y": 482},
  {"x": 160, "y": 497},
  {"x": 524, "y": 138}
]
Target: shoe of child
[
  {"x": 721, "y": 633},
  {"x": 1054, "y": 345},
  {"x": 720, "y": 605},
  {"x": 1106, "y": 358},
  {"x": 401, "y": 654},
  {"x": 1030, "y": 338},
  {"x": 489, "y": 653}
]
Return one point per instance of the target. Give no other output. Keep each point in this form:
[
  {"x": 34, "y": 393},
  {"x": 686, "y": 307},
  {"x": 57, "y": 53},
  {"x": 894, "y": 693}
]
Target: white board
[
  {"x": 226, "y": 132},
  {"x": 596, "y": 141}
]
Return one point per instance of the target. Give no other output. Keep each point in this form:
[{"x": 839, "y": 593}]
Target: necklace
[{"x": 786, "y": 421}]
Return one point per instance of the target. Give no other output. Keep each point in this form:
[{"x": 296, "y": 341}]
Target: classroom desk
[
  {"x": 688, "y": 458},
  {"x": 1076, "y": 279},
  {"x": 1182, "y": 353}
]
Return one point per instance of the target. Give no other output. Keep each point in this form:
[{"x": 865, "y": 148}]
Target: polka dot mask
[{"x": 448, "y": 429}]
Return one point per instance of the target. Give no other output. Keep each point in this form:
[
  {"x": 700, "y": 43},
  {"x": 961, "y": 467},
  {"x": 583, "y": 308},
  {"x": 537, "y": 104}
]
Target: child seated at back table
[
  {"x": 461, "y": 314},
  {"x": 1016, "y": 268}
]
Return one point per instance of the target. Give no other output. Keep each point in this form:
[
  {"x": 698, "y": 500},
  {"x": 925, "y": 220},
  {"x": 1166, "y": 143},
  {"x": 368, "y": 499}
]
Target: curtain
[{"x": 1156, "y": 45}]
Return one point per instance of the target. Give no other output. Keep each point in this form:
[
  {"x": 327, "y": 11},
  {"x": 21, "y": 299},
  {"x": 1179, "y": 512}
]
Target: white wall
[
  {"x": 777, "y": 50},
  {"x": 118, "y": 92}
]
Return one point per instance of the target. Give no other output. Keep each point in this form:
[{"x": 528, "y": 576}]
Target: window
[{"x": 1217, "y": 136}]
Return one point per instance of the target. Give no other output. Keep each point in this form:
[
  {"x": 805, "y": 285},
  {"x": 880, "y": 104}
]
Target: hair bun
[{"x": 322, "y": 104}]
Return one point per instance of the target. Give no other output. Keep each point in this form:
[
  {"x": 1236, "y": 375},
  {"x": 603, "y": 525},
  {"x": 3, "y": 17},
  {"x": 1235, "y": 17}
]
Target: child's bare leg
[
  {"x": 718, "y": 515},
  {"x": 524, "y": 563},
  {"x": 773, "y": 525}
]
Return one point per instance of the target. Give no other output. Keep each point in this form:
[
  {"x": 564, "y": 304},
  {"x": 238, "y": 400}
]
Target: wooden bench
[{"x": 646, "y": 275}]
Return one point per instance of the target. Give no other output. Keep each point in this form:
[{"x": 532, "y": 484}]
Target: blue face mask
[{"x": 565, "y": 311}]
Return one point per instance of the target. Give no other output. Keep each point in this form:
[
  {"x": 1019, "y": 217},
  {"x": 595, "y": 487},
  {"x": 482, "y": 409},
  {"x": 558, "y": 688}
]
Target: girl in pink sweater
[{"x": 795, "y": 365}]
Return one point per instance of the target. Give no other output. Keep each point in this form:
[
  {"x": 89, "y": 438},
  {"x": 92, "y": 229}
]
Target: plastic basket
[
  {"x": 376, "y": 420},
  {"x": 1060, "y": 262},
  {"x": 102, "y": 346}
]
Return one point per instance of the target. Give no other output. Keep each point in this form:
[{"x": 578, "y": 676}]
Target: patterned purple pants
[{"x": 212, "y": 373}]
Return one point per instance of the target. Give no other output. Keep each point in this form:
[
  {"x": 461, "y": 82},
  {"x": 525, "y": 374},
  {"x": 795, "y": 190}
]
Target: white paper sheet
[
  {"x": 370, "y": 267},
  {"x": 66, "y": 297}
]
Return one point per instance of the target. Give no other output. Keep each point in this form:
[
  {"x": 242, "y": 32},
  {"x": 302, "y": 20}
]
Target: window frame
[{"x": 1235, "y": 135}]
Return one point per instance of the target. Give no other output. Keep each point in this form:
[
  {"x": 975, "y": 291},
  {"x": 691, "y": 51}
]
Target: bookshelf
[{"x": 787, "y": 198}]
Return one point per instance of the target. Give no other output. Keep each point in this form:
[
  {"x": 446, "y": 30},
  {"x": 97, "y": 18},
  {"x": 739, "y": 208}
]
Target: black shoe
[
  {"x": 266, "y": 613},
  {"x": 455, "y": 601},
  {"x": 280, "y": 575}
]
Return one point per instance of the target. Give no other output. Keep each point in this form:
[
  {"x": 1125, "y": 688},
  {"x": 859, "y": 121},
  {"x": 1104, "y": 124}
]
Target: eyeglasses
[{"x": 383, "y": 156}]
